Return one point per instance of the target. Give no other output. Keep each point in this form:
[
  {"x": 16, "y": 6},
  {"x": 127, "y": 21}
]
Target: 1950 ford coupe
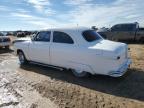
[{"x": 80, "y": 49}]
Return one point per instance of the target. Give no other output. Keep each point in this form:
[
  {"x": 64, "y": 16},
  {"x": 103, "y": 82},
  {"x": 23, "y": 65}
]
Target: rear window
[{"x": 91, "y": 35}]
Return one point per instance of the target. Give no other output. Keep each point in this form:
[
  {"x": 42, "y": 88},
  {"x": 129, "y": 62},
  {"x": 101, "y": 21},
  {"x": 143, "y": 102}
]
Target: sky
[{"x": 43, "y": 14}]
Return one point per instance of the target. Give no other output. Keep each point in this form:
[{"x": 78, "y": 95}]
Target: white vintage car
[{"x": 80, "y": 49}]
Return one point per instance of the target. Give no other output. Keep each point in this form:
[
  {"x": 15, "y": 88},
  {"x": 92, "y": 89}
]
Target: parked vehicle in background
[
  {"x": 82, "y": 50},
  {"x": 9, "y": 34},
  {"x": 23, "y": 33},
  {"x": 124, "y": 32},
  {"x": 5, "y": 41}
]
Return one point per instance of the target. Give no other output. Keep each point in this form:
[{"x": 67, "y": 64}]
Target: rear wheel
[
  {"x": 22, "y": 58},
  {"x": 79, "y": 73}
]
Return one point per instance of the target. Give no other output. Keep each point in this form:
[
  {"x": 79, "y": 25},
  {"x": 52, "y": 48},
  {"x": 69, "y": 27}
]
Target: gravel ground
[{"x": 34, "y": 86}]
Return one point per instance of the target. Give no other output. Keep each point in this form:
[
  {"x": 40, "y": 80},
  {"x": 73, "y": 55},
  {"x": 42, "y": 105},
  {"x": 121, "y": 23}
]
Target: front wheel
[
  {"x": 22, "y": 58},
  {"x": 77, "y": 73}
]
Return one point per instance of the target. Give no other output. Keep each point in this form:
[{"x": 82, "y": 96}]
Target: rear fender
[{"x": 80, "y": 66}]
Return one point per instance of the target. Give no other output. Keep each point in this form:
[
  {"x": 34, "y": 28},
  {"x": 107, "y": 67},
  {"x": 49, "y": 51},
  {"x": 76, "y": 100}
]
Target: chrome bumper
[{"x": 122, "y": 70}]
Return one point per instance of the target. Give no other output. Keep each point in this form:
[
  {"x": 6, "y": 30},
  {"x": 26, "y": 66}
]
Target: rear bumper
[
  {"x": 122, "y": 70},
  {"x": 3, "y": 44}
]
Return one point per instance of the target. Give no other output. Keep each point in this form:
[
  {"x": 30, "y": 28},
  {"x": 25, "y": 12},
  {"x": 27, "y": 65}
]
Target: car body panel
[{"x": 38, "y": 53}]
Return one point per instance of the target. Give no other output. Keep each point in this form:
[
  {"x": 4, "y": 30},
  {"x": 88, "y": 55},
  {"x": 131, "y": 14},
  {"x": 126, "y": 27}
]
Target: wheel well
[{"x": 19, "y": 50}]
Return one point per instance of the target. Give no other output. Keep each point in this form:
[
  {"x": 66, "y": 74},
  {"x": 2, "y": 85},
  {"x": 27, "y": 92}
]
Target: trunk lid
[{"x": 110, "y": 49}]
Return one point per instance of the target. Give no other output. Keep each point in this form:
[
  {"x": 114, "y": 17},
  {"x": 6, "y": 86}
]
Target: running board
[{"x": 51, "y": 66}]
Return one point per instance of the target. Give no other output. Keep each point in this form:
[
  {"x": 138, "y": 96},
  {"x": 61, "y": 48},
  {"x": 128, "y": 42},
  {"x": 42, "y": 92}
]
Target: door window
[
  {"x": 43, "y": 36},
  {"x": 61, "y": 37}
]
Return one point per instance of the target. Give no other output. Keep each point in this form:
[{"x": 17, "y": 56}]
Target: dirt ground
[{"x": 34, "y": 86}]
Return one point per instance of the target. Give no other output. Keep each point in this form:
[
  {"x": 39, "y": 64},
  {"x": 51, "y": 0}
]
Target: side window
[
  {"x": 129, "y": 27},
  {"x": 116, "y": 28},
  {"x": 43, "y": 36},
  {"x": 61, "y": 37},
  {"x": 124, "y": 27}
]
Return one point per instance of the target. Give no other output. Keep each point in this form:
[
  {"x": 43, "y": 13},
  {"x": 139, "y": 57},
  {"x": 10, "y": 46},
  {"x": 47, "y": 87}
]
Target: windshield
[{"x": 91, "y": 35}]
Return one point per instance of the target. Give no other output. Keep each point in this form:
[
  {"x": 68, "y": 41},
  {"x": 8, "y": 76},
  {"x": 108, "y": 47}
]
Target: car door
[
  {"x": 39, "y": 47},
  {"x": 62, "y": 49}
]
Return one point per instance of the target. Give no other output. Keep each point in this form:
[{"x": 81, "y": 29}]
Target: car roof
[
  {"x": 73, "y": 31},
  {"x": 126, "y": 23},
  {"x": 67, "y": 29}
]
